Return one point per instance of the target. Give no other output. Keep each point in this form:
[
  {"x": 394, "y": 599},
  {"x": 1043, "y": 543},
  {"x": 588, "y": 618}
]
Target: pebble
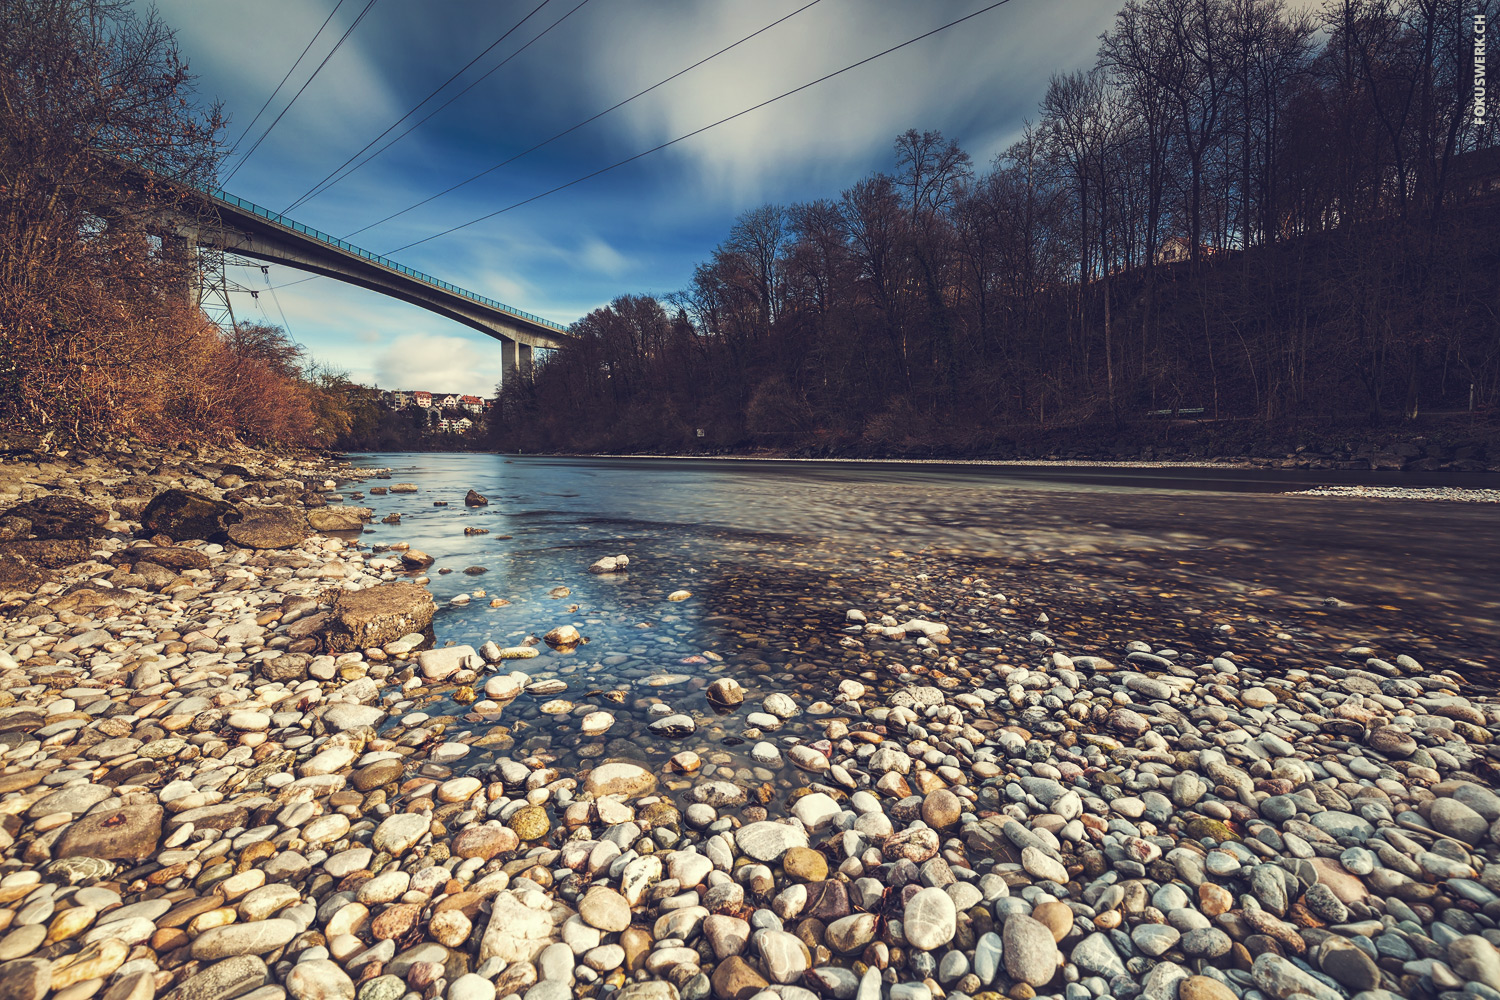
[{"x": 210, "y": 794}]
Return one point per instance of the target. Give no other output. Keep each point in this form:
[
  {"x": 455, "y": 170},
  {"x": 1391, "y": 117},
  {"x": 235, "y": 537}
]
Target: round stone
[
  {"x": 930, "y": 919},
  {"x": 1029, "y": 950},
  {"x": 531, "y": 823},
  {"x": 805, "y": 864},
  {"x": 319, "y": 979},
  {"x": 1204, "y": 988},
  {"x": 942, "y": 809},
  {"x": 605, "y": 909},
  {"x": 1057, "y": 917}
]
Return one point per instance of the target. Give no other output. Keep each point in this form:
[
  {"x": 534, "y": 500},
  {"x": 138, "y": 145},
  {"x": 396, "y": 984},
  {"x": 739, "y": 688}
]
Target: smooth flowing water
[{"x": 775, "y": 554}]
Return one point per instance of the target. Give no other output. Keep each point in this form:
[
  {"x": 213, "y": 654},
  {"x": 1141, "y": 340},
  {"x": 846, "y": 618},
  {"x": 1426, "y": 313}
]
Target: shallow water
[{"x": 774, "y": 554}]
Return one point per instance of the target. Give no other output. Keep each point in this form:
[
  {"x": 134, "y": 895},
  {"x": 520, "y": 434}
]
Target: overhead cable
[
  {"x": 698, "y": 131},
  {"x": 284, "y": 79},
  {"x": 439, "y": 108},
  {"x": 336, "y": 45},
  {"x": 314, "y": 190},
  {"x": 586, "y": 121}
]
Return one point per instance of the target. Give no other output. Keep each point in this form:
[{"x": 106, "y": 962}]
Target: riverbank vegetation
[
  {"x": 100, "y": 331},
  {"x": 1244, "y": 214}
]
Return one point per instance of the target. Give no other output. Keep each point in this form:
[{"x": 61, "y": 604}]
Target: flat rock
[
  {"x": 620, "y": 778},
  {"x": 378, "y": 615},
  {"x": 516, "y": 932},
  {"x": 128, "y": 833},
  {"x": 768, "y": 841}
]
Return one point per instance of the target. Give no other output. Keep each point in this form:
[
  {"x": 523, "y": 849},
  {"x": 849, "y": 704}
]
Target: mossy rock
[
  {"x": 531, "y": 823},
  {"x": 660, "y": 814},
  {"x": 1216, "y": 830}
]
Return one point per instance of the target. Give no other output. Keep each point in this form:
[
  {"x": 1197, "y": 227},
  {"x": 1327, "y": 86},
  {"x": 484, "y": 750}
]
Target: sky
[{"x": 640, "y": 229}]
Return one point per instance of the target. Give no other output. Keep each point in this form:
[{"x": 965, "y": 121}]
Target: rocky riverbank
[
  {"x": 1452, "y": 443},
  {"x": 233, "y": 764}
]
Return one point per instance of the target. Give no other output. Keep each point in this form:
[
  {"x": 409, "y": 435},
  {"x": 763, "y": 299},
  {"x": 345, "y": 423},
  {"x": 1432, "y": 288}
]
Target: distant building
[
  {"x": 422, "y": 399},
  {"x": 1474, "y": 174},
  {"x": 1176, "y": 249},
  {"x": 448, "y": 402},
  {"x": 472, "y": 403},
  {"x": 398, "y": 400}
]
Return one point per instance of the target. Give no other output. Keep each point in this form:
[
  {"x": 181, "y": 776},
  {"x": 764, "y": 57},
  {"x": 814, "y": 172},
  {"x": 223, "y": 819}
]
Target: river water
[{"x": 774, "y": 555}]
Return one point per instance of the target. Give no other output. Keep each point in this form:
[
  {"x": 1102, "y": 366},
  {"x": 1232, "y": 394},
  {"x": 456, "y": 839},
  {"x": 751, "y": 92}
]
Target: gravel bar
[{"x": 218, "y": 782}]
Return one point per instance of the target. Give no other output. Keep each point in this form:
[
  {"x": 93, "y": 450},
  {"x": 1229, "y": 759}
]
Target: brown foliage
[{"x": 99, "y": 328}]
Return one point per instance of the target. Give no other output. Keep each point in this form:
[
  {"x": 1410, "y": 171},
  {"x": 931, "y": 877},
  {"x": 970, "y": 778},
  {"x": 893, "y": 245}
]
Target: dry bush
[{"x": 95, "y": 327}]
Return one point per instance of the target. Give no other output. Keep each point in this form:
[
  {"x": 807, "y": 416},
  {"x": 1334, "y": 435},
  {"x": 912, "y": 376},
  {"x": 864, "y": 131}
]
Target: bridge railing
[{"x": 219, "y": 194}]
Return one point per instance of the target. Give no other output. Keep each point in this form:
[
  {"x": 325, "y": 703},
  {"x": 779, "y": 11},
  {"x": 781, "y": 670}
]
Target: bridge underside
[{"x": 273, "y": 246}]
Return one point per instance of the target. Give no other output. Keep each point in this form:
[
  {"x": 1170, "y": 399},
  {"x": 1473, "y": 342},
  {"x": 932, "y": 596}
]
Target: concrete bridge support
[
  {"x": 515, "y": 360},
  {"x": 181, "y": 252}
]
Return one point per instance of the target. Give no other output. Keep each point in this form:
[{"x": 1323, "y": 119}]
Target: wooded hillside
[{"x": 1267, "y": 215}]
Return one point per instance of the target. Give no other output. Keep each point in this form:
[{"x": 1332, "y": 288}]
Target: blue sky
[{"x": 639, "y": 229}]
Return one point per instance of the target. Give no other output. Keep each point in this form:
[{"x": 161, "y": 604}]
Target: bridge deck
[{"x": 235, "y": 205}]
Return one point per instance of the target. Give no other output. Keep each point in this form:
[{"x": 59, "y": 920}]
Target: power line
[
  {"x": 251, "y": 151},
  {"x": 586, "y": 121},
  {"x": 700, "y": 131},
  {"x": 266, "y": 276},
  {"x": 284, "y": 79},
  {"x": 289, "y": 284},
  {"x": 312, "y": 191},
  {"x": 439, "y": 108}
]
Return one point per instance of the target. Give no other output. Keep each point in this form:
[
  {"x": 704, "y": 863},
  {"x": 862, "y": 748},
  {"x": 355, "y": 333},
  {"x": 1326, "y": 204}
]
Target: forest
[{"x": 1245, "y": 214}]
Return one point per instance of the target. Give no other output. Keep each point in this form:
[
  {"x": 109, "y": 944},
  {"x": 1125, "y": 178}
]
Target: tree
[{"x": 93, "y": 304}]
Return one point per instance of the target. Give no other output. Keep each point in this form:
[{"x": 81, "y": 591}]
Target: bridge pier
[
  {"x": 182, "y": 253},
  {"x": 515, "y": 360}
]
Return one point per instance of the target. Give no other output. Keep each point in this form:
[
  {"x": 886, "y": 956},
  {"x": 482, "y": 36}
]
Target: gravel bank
[
  {"x": 1450, "y": 494},
  {"x": 218, "y": 781}
]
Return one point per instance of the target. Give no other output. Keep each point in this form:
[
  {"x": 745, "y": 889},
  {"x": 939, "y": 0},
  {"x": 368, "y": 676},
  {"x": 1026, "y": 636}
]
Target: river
[{"x": 774, "y": 555}]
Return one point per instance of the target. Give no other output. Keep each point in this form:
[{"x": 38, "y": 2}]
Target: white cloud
[
  {"x": 1001, "y": 58},
  {"x": 440, "y": 364},
  {"x": 599, "y": 256}
]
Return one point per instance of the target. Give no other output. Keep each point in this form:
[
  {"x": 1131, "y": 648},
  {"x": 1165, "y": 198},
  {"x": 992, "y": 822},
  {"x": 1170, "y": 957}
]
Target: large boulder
[
  {"x": 377, "y": 615},
  {"x": 269, "y": 528},
  {"x": 183, "y": 514},
  {"x": 60, "y": 516},
  {"x": 48, "y": 553},
  {"x": 20, "y": 575},
  {"x": 13, "y": 528}
]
